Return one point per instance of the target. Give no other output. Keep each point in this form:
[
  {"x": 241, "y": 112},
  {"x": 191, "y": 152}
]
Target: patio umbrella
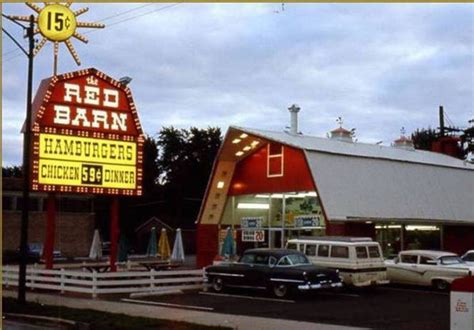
[
  {"x": 178, "y": 250},
  {"x": 228, "y": 248},
  {"x": 152, "y": 248},
  {"x": 164, "y": 245},
  {"x": 95, "y": 251},
  {"x": 123, "y": 249}
]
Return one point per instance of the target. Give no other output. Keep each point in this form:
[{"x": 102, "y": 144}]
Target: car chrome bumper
[
  {"x": 320, "y": 286},
  {"x": 369, "y": 283}
]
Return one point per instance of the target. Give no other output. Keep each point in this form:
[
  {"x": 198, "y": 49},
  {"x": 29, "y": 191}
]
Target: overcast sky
[{"x": 379, "y": 66}]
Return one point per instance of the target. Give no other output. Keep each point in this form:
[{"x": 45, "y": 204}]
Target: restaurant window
[{"x": 274, "y": 160}]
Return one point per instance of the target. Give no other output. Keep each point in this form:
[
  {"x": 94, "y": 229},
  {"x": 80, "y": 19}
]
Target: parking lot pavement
[
  {"x": 382, "y": 308},
  {"x": 174, "y": 313}
]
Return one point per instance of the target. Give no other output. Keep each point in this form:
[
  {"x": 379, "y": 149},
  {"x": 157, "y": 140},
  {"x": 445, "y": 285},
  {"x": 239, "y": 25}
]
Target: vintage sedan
[
  {"x": 468, "y": 257},
  {"x": 277, "y": 270},
  {"x": 427, "y": 268}
]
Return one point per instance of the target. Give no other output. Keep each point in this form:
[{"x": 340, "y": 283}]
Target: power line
[{"x": 111, "y": 24}]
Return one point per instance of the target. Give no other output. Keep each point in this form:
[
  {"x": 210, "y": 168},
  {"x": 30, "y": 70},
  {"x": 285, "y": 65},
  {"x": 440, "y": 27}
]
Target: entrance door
[{"x": 274, "y": 238}]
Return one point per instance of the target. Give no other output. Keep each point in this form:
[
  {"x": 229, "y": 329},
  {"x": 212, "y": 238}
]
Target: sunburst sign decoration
[{"x": 57, "y": 23}]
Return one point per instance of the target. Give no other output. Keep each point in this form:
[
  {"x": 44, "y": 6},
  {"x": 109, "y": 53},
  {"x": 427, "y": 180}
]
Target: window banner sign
[
  {"x": 253, "y": 236},
  {"x": 306, "y": 221},
  {"x": 86, "y": 136},
  {"x": 251, "y": 222}
]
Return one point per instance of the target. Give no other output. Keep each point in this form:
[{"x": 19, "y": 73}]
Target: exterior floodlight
[{"x": 125, "y": 80}]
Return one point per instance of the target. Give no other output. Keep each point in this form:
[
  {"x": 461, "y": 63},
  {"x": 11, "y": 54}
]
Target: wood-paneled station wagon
[{"x": 277, "y": 270}]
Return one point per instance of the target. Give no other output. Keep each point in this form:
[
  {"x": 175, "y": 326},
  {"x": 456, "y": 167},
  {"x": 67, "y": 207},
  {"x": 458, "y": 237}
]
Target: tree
[
  {"x": 176, "y": 167},
  {"x": 151, "y": 172},
  {"x": 12, "y": 171},
  {"x": 424, "y": 138},
  {"x": 185, "y": 162}
]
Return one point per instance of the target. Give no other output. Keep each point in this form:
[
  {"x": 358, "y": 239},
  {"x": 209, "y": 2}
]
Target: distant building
[
  {"x": 75, "y": 219},
  {"x": 272, "y": 186}
]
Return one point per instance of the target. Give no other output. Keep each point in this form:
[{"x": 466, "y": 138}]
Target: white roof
[
  {"x": 313, "y": 143},
  {"x": 429, "y": 253},
  {"x": 360, "y": 182}
]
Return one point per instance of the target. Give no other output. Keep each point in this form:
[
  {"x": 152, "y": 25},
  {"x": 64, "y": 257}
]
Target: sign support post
[
  {"x": 114, "y": 232},
  {"x": 48, "y": 252}
]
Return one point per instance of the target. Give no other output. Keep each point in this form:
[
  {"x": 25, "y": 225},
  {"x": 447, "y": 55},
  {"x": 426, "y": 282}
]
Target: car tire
[
  {"x": 441, "y": 285},
  {"x": 280, "y": 290},
  {"x": 217, "y": 284}
]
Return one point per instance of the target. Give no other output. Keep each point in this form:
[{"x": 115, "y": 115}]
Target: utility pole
[
  {"x": 26, "y": 168},
  {"x": 441, "y": 121}
]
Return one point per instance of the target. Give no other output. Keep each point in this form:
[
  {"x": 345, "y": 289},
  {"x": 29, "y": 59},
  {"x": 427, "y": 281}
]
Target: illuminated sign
[
  {"x": 86, "y": 136},
  {"x": 307, "y": 221},
  {"x": 253, "y": 236},
  {"x": 251, "y": 222},
  {"x": 57, "y": 22}
]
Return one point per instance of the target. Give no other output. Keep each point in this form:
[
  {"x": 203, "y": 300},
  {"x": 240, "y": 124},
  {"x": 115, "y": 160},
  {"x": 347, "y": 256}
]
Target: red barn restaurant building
[{"x": 271, "y": 186}]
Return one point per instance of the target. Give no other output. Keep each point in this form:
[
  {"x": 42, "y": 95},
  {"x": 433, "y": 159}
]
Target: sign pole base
[
  {"x": 114, "y": 232},
  {"x": 48, "y": 251}
]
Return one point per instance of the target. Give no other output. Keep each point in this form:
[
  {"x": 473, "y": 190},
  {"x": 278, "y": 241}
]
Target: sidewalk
[{"x": 165, "y": 313}]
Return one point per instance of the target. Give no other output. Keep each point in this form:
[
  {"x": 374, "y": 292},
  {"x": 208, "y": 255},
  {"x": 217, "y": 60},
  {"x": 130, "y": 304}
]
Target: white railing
[{"x": 95, "y": 283}]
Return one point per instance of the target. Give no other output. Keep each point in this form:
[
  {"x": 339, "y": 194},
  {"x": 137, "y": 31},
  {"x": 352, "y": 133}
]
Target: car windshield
[
  {"x": 297, "y": 259},
  {"x": 451, "y": 260}
]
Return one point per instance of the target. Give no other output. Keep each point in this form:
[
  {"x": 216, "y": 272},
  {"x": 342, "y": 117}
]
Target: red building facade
[{"x": 270, "y": 182}]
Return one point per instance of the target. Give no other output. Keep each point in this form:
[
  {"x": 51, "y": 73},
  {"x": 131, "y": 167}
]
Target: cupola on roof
[
  {"x": 403, "y": 142},
  {"x": 341, "y": 133}
]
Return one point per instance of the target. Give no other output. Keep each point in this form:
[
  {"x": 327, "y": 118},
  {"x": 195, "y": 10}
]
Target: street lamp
[{"x": 26, "y": 156}]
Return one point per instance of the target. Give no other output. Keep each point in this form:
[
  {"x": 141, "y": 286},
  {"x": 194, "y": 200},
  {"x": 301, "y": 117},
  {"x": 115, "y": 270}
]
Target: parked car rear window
[
  {"x": 374, "y": 252},
  {"x": 323, "y": 251},
  {"x": 339, "y": 251},
  {"x": 409, "y": 259},
  {"x": 361, "y": 252},
  {"x": 310, "y": 250},
  {"x": 292, "y": 246}
]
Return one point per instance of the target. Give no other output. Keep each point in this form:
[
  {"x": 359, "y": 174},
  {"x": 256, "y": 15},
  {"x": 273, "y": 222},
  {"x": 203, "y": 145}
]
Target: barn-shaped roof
[{"x": 359, "y": 181}]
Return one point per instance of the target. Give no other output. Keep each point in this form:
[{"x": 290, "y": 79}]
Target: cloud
[{"x": 380, "y": 66}]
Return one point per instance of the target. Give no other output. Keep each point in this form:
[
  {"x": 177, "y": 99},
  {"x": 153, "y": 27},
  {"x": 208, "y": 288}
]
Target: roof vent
[
  {"x": 341, "y": 133},
  {"x": 294, "y": 109},
  {"x": 403, "y": 142}
]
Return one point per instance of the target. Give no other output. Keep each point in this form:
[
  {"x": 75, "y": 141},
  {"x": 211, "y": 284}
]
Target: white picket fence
[{"x": 105, "y": 283}]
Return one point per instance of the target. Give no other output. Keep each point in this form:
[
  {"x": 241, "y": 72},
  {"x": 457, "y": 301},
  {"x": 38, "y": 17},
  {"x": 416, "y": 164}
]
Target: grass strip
[{"x": 97, "y": 319}]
